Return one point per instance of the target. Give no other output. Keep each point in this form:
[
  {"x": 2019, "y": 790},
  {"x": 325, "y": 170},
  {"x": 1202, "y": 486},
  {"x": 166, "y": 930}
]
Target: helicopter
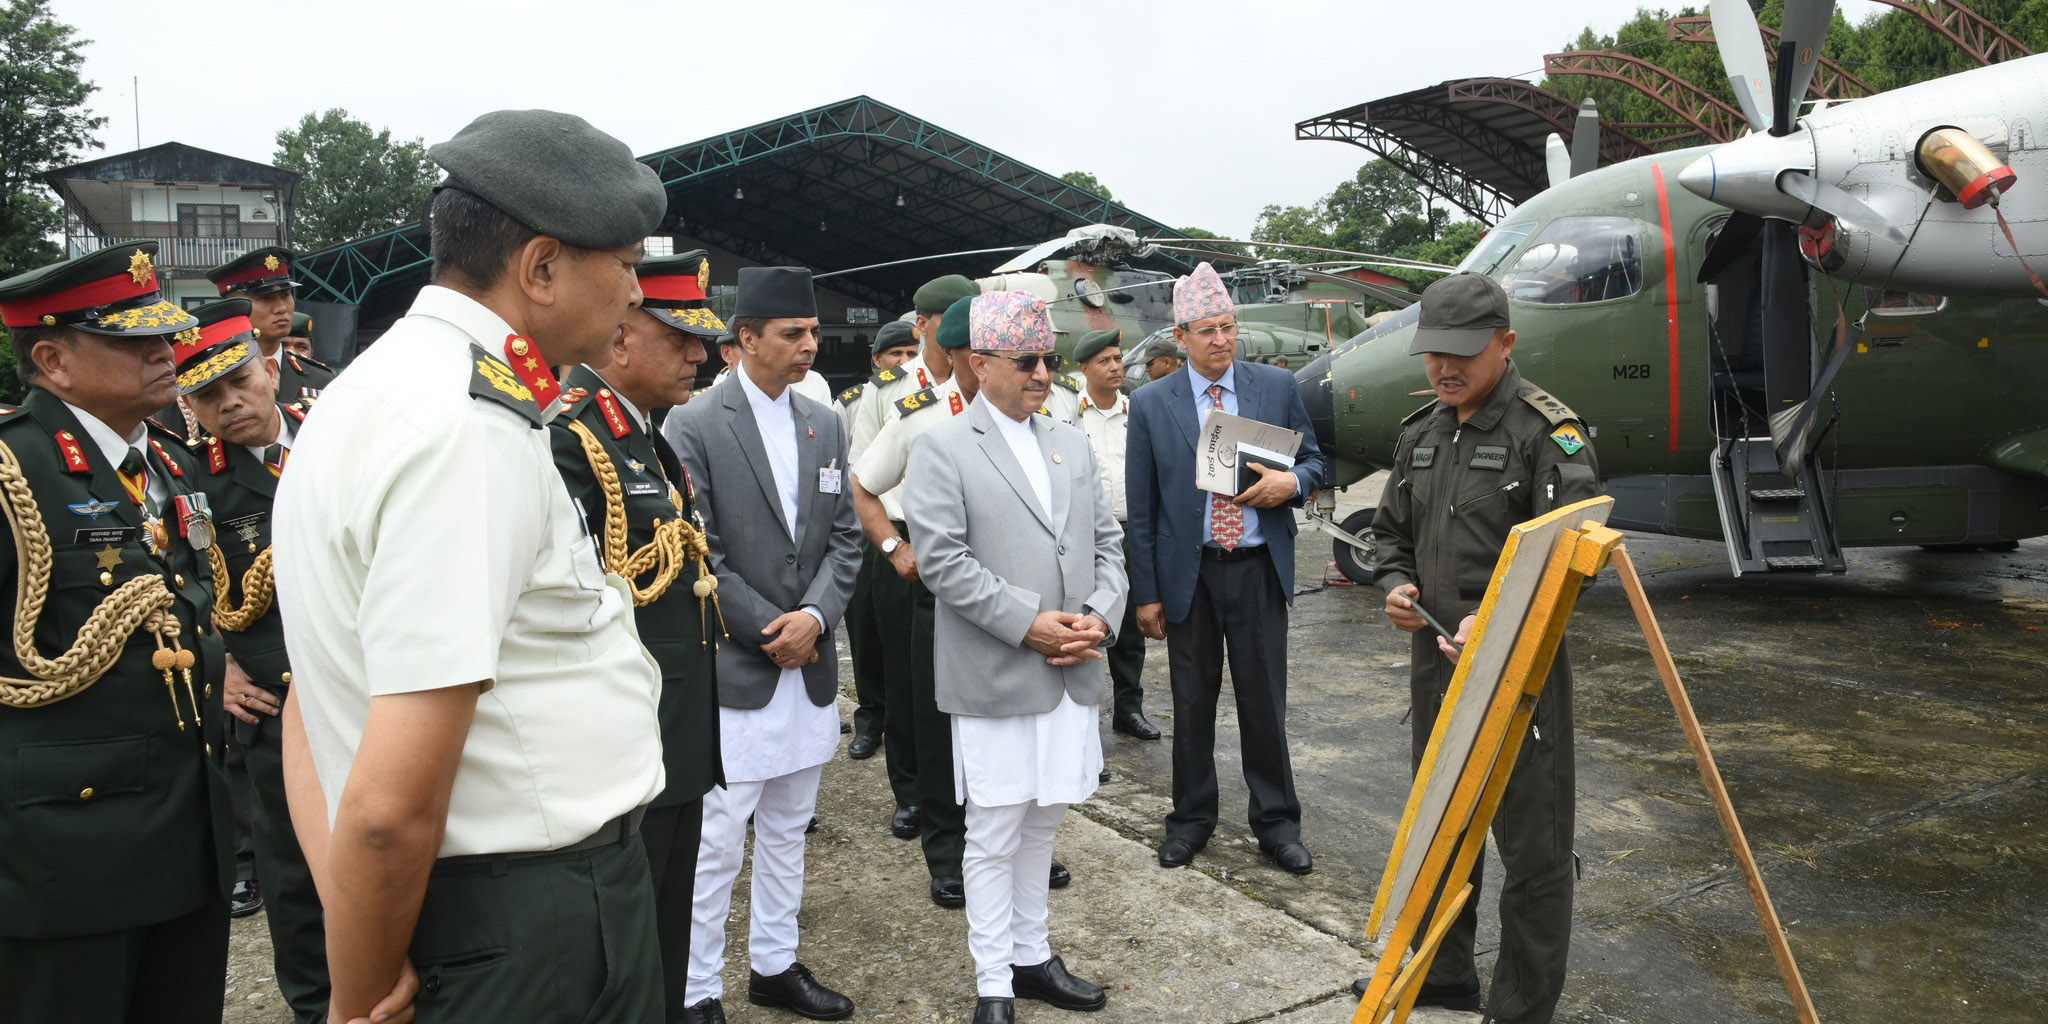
[{"x": 1702, "y": 357}]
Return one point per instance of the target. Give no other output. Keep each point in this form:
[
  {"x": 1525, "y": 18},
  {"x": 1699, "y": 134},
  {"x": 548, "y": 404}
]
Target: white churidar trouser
[
  {"x": 782, "y": 808},
  {"x": 1005, "y": 866}
]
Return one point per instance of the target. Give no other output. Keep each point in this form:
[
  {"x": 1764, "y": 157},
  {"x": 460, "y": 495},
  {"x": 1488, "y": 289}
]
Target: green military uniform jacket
[
  {"x": 241, "y": 490},
  {"x": 1455, "y": 490},
  {"x": 113, "y": 815},
  {"x": 651, "y": 480}
]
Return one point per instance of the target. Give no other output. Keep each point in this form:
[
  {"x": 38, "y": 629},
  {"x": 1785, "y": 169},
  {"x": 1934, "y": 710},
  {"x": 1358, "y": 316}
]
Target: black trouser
[
  {"x": 864, "y": 639},
  {"x": 893, "y": 600},
  {"x": 1238, "y": 608},
  {"x": 671, "y": 834},
  {"x": 1533, "y": 826},
  {"x": 558, "y": 937},
  {"x": 168, "y": 973},
  {"x": 298, "y": 938},
  {"x": 242, "y": 801},
  {"x": 928, "y": 733},
  {"x": 1127, "y": 657}
]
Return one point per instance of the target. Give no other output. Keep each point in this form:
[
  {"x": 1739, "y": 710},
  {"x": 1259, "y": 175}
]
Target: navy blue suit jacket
[{"x": 1165, "y": 527}]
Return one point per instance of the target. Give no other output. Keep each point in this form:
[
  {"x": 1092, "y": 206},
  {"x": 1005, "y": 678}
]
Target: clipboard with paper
[{"x": 1226, "y": 446}]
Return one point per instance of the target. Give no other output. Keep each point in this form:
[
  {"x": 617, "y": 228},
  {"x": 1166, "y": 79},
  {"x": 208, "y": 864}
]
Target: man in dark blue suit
[{"x": 1213, "y": 573}]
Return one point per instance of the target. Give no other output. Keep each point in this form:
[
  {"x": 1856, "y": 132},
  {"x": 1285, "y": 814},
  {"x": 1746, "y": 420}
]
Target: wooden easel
[{"x": 1577, "y": 556}]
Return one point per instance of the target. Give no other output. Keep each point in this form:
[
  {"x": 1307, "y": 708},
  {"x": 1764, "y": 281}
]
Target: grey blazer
[
  {"x": 762, "y": 573},
  {"x": 993, "y": 561}
]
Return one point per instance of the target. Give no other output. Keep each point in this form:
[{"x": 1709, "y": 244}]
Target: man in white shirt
[
  {"x": 770, "y": 466},
  {"x": 1016, "y": 541},
  {"x": 1105, "y": 416},
  {"x": 479, "y": 732}
]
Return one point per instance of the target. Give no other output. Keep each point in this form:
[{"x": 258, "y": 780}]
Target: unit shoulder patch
[
  {"x": 490, "y": 378},
  {"x": 847, "y": 396},
  {"x": 1568, "y": 438},
  {"x": 916, "y": 400},
  {"x": 1553, "y": 410}
]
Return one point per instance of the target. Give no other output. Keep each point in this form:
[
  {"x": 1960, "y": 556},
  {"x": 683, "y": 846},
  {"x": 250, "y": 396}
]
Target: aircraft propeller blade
[
  {"x": 1849, "y": 211},
  {"x": 1784, "y": 105},
  {"x": 1733, "y": 242},
  {"x": 1743, "y": 59},
  {"x": 1798, "y": 420},
  {"x": 1586, "y": 138},
  {"x": 1787, "y": 325},
  {"x": 1805, "y": 26},
  {"x": 1557, "y": 160}
]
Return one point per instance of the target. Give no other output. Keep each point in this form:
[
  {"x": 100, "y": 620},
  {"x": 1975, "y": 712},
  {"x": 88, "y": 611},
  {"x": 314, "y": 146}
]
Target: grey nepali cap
[{"x": 557, "y": 174}]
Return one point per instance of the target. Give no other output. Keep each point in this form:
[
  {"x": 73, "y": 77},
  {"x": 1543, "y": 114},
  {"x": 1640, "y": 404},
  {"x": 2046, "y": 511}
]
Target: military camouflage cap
[{"x": 556, "y": 174}]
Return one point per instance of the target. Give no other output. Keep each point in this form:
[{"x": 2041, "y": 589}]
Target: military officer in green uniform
[
  {"x": 640, "y": 506},
  {"x": 866, "y": 632},
  {"x": 300, "y": 341},
  {"x": 264, "y": 277},
  {"x": 114, "y": 836},
  {"x": 232, "y": 392},
  {"x": 1493, "y": 450}
]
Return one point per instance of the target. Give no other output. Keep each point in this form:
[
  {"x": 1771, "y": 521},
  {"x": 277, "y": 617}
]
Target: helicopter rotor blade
[
  {"x": 1369, "y": 258},
  {"x": 1394, "y": 297},
  {"x": 1586, "y": 138},
  {"x": 1033, "y": 256},
  {"x": 918, "y": 259},
  {"x": 1743, "y": 59},
  {"x": 1805, "y": 27},
  {"x": 1557, "y": 160}
]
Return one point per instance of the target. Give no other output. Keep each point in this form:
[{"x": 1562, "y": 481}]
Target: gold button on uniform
[
  {"x": 85, "y": 794},
  {"x": 209, "y": 690},
  {"x": 285, "y": 678},
  {"x": 519, "y": 346},
  {"x": 106, "y": 579},
  {"x": 178, "y": 578},
  {"x": 252, "y": 547}
]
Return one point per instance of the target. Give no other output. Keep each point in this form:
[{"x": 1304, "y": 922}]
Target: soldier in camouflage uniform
[{"x": 115, "y": 826}]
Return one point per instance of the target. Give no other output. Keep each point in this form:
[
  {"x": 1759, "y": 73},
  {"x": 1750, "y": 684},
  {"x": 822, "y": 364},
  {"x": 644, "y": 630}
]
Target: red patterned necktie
[{"x": 1226, "y": 518}]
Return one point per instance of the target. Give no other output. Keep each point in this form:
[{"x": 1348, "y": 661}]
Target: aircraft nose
[
  {"x": 1743, "y": 175},
  {"x": 1315, "y": 394}
]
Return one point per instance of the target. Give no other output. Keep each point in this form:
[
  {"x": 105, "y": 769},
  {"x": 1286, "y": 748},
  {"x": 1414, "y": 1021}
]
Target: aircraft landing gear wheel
[{"x": 1355, "y": 563}]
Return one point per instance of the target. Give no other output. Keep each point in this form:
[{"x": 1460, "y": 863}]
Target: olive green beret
[
  {"x": 953, "y": 326},
  {"x": 894, "y": 334},
  {"x": 556, "y": 174},
  {"x": 302, "y": 326},
  {"x": 1094, "y": 342},
  {"x": 941, "y": 292}
]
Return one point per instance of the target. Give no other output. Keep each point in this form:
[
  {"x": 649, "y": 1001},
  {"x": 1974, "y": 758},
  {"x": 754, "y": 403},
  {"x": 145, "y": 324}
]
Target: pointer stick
[{"x": 1416, "y": 607}]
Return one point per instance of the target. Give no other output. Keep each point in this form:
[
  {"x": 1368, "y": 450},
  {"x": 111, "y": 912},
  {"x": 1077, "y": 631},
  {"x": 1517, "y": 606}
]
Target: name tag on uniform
[
  {"x": 104, "y": 535},
  {"x": 1420, "y": 458},
  {"x": 639, "y": 488},
  {"x": 828, "y": 479},
  {"x": 1490, "y": 456}
]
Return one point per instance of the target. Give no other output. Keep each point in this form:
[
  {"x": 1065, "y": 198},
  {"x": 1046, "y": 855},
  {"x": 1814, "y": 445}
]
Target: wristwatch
[{"x": 889, "y": 546}]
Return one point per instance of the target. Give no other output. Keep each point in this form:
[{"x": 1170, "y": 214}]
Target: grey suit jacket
[
  {"x": 762, "y": 572},
  {"x": 993, "y": 560}
]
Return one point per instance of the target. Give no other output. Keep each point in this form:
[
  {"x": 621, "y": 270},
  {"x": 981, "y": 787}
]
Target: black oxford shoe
[
  {"x": 1177, "y": 853},
  {"x": 246, "y": 898},
  {"x": 1290, "y": 856},
  {"x": 1058, "y": 877},
  {"x": 797, "y": 991},
  {"x": 1050, "y": 983},
  {"x": 905, "y": 823},
  {"x": 862, "y": 747},
  {"x": 710, "y": 1011},
  {"x": 1135, "y": 725},
  {"x": 993, "y": 1010},
  {"x": 949, "y": 893}
]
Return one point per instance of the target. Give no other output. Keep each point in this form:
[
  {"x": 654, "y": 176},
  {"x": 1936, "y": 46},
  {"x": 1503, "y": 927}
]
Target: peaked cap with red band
[
  {"x": 110, "y": 291},
  {"x": 256, "y": 272},
  {"x": 673, "y": 290},
  {"x": 224, "y": 343}
]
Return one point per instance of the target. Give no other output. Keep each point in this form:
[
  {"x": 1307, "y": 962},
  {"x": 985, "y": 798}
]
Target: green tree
[
  {"x": 43, "y": 125},
  {"x": 1199, "y": 233},
  {"x": 1087, "y": 182},
  {"x": 353, "y": 181}
]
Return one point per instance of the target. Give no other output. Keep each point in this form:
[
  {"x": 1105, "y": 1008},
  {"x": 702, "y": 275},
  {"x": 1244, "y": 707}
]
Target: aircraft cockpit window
[
  {"x": 1578, "y": 259},
  {"x": 1486, "y": 257},
  {"x": 1892, "y": 302}
]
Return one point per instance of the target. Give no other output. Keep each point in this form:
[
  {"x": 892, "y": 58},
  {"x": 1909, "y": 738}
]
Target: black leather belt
[
  {"x": 1233, "y": 554},
  {"x": 611, "y": 833}
]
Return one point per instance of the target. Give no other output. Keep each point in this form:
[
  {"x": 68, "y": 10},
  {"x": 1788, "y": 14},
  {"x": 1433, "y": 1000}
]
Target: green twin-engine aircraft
[{"x": 1935, "y": 430}]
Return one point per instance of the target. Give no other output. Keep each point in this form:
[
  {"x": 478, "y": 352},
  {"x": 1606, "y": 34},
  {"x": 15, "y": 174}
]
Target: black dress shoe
[
  {"x": 845, "y": 727},
  {"x": 710, "y": 1011},
  {"x": 1450, "y": 997},
  {"x": 994, "y": 1010},
  {"x": 1176, "y": 853},
  {"x": 1290, "y": 856},
  {"x": 813, "y": 826},
  {"x": 1059, "y": 877},
  {"x": 862, "y": 747},
  {"x": 246, "y": 898},
  {"x": 905, "y": 824},
  {"x": 1050, "y": 983},
  {"x": 950, "y": 893},
  {"x": 796, "y": 991},
  {"x": 1134, "y": 724},
  {"x": 1102, "y": 778}
]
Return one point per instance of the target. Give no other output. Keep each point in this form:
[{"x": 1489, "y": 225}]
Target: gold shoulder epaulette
[
  {"x": 916, "y": 400},
  {"x": 1066, "y": 380},
  {"x": 1553, "y": 410},
  {"x": 490, "y": 379},
  {"x": 847, "y": 396},
  {"x": 890, "y": 374}
]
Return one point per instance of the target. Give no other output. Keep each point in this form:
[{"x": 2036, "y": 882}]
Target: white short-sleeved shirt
[
  {"x": 880, "y": 466},
  {"x": 1108, "y": 431},
  {"x": 878, "y": 406},
  {"x": 424, "y": 539}
]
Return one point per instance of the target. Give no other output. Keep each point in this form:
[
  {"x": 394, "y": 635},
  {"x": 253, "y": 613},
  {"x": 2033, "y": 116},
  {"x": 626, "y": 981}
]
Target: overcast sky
[{"x": 1185, "y": 110}]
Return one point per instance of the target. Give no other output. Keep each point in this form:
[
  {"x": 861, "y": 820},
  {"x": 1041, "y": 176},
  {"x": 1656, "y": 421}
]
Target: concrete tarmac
[{"x": 1884, "y": 735}]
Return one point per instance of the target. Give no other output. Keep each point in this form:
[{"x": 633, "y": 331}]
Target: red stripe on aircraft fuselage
[{"x": 1670, "y": 309}]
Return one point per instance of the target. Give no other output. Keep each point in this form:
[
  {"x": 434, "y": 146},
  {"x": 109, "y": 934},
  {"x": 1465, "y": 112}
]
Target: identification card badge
[{"x": 828, "y": 478}]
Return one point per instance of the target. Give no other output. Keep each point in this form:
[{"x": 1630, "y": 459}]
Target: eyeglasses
[
  {"x": 1028, "y": 363},
  {"x": 1212, "y": 333}
]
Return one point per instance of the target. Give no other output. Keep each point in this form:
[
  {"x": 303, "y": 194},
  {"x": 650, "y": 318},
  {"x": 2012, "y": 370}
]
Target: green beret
[
  {"x": 556, "y": 174},
  {"x": 894, "y": 334},
  {"x": 953, "y": 326},
  {"x": 302, "y": 326},
  {"x": 940, "y": 293},
  {"x": 1094, "y": 342}
]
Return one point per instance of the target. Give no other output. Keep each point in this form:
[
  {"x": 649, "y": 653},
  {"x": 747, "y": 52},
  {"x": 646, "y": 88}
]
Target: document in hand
[{"x": 1220, "y": 468}]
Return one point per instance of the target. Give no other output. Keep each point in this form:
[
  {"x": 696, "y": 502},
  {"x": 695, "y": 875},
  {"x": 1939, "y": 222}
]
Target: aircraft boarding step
[{"x": 1773, "y": 522}]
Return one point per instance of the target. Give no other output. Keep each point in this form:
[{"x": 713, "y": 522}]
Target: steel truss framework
[
  {"x": 1830, "y": 80},
  {"x": 1698, "y": 108},
  {"x": 848, "y": 184},
  {"x": 1478, "y": 143}
]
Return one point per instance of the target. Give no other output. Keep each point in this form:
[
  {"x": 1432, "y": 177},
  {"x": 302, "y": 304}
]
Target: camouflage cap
[
  {"x": 556, "y": 174},
  {"x": 939, "y": 293}
]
